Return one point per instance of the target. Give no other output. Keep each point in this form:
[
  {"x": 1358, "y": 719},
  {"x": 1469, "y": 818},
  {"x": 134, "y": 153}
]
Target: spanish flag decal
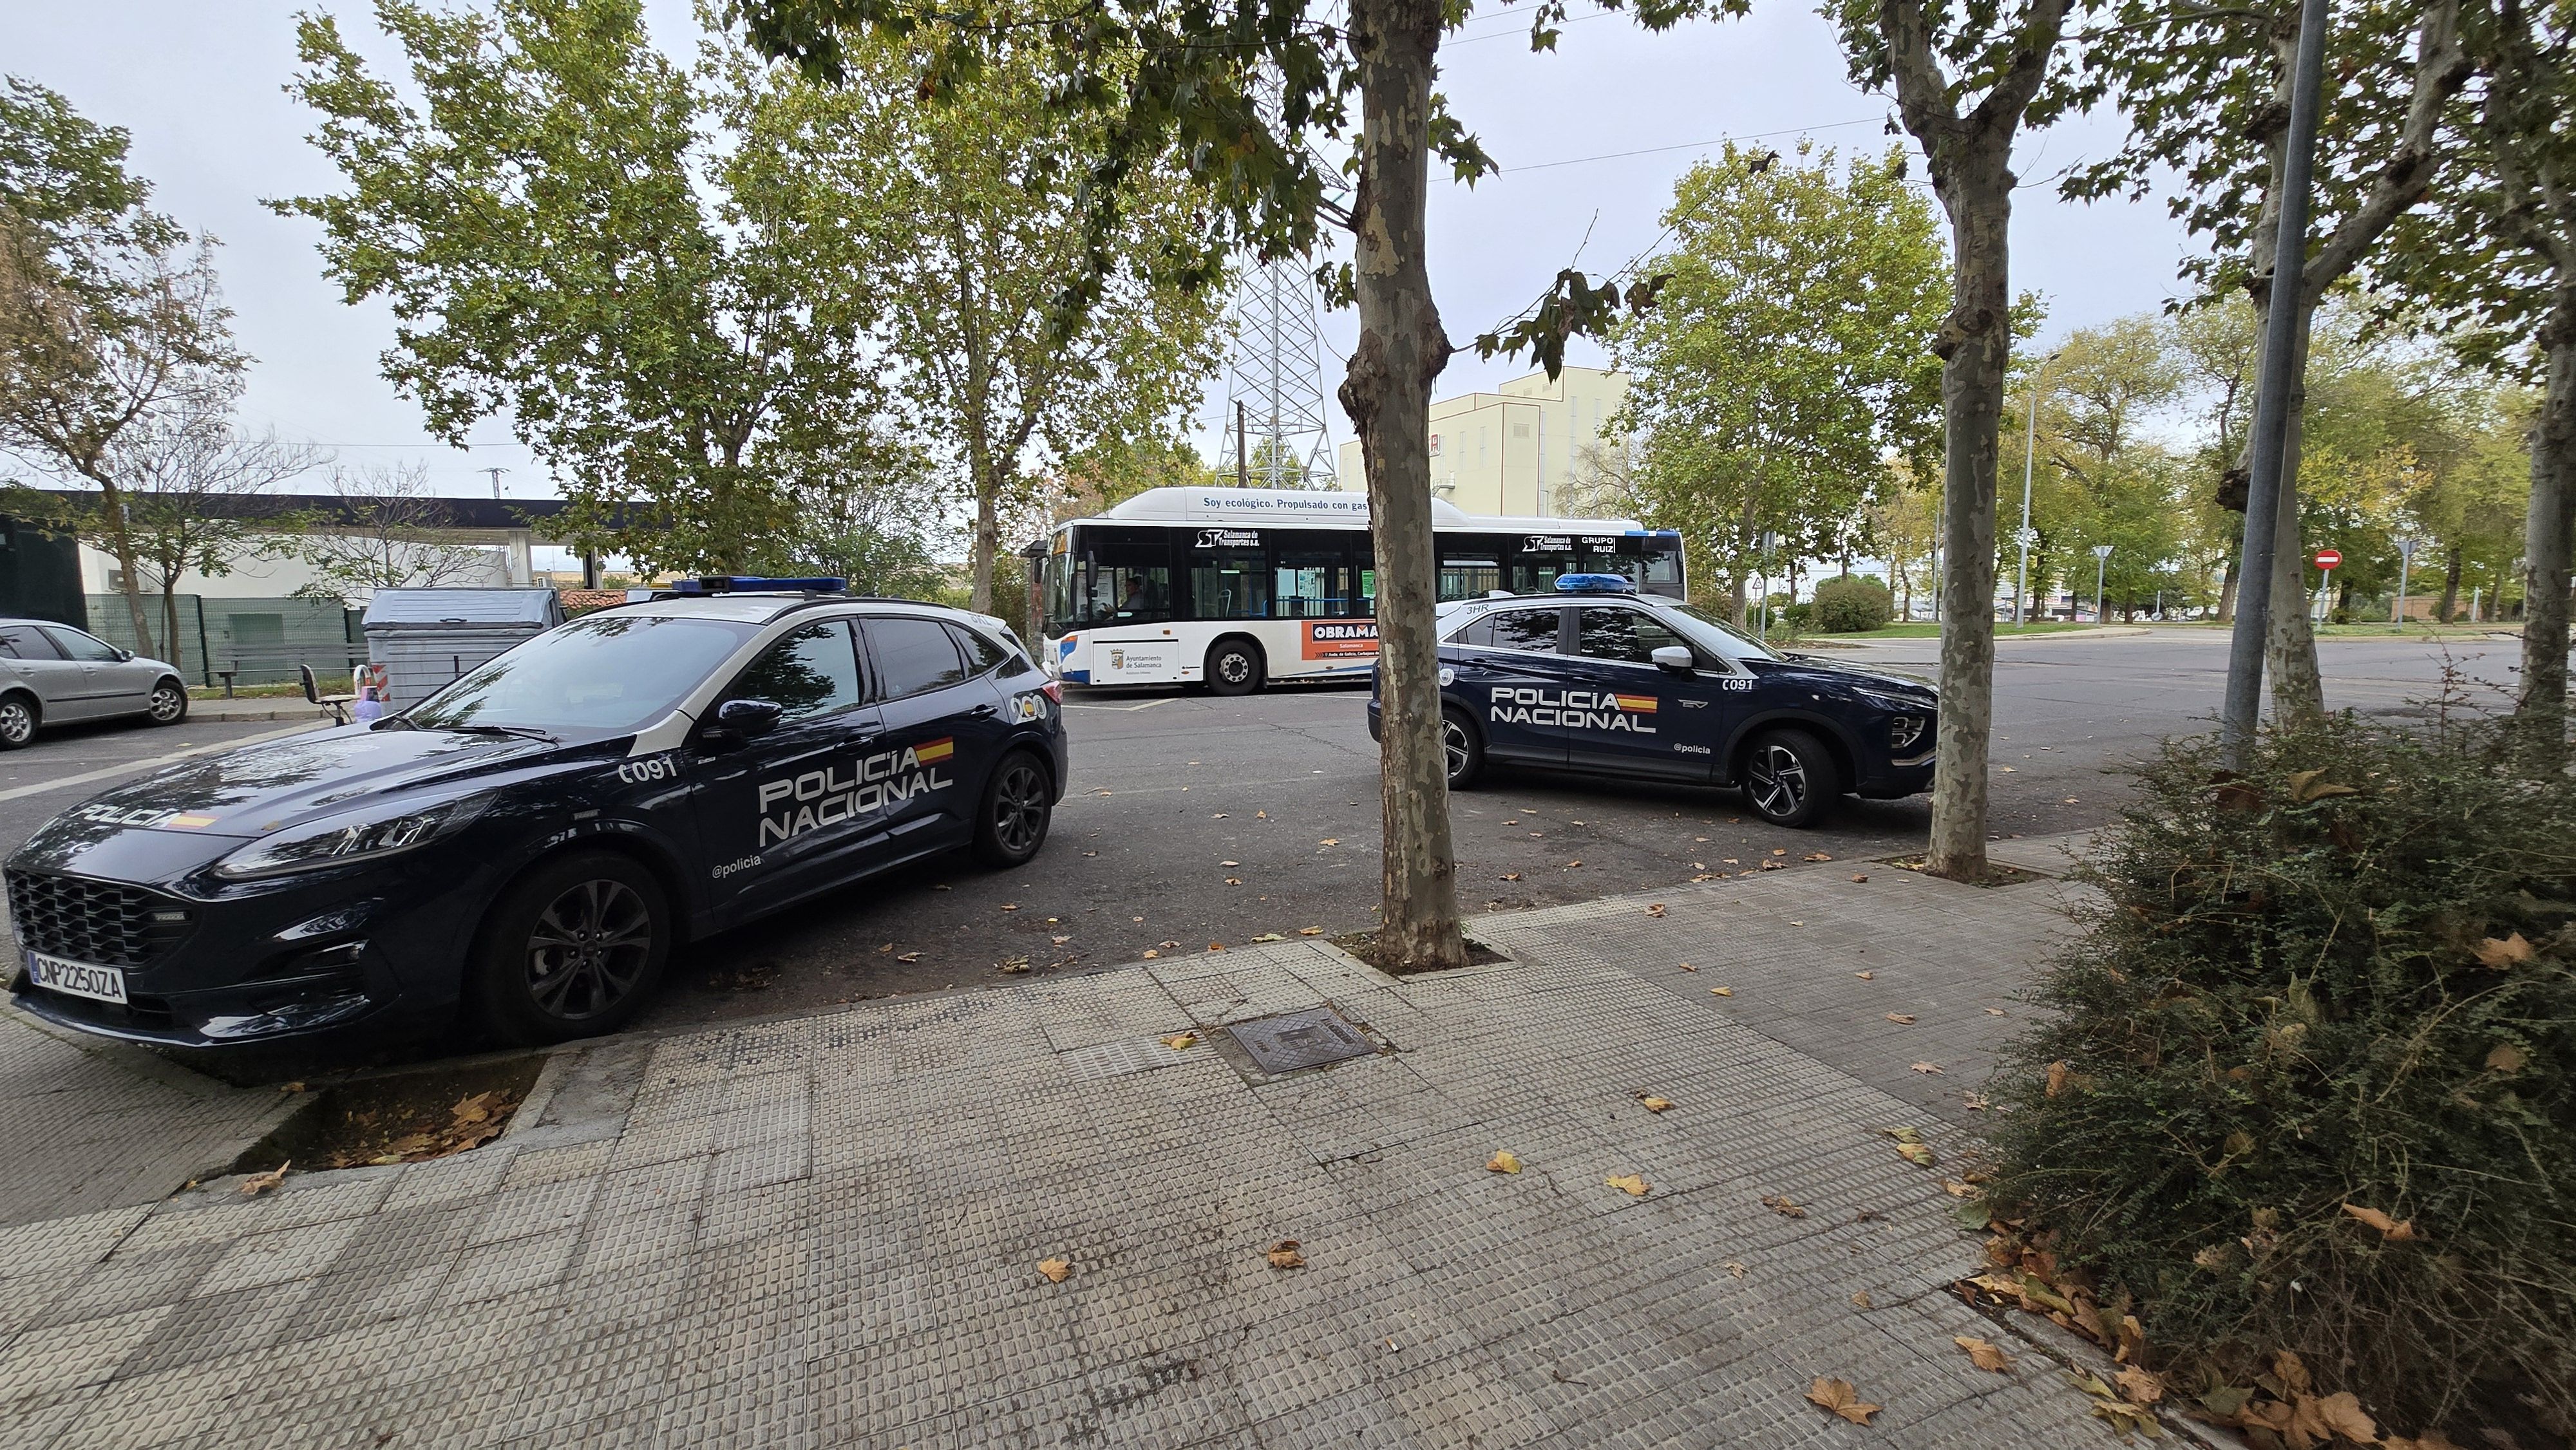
[
  {"x": 930, "y": 752},
  {"x": 1636, "y": 704}
]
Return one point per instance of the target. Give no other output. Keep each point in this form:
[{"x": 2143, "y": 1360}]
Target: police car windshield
[
  {"x": 1714, "y": 633},
  {"x": 614, "y": 671}
]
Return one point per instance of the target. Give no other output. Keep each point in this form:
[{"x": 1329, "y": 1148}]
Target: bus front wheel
[{"x": 1234, "y": 667}]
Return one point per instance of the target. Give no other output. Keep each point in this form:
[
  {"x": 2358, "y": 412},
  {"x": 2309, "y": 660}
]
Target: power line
[{"x": 1689, "y": 145}]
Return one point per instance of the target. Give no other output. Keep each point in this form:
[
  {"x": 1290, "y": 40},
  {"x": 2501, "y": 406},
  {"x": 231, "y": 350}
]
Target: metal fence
[{"x": 260, "y": 641}]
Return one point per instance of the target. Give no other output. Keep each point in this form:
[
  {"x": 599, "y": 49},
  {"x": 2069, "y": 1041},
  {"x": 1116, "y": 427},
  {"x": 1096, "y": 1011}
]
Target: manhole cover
[{"x": 1293, "y": 1040}]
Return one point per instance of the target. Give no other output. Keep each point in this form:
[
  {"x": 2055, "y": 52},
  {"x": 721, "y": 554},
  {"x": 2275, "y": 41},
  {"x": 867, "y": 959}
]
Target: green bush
[
  {"x": 1852, "y": 603},
  {"x": 2336, "y": 986}
]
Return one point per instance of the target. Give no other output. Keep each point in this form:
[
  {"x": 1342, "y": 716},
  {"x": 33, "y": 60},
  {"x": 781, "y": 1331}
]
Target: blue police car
[
  {"x": 533, "y": 840},
  {"x": 1599, "y": 679}
]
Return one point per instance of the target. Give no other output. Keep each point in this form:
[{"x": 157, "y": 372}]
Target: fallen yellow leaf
[
  {"x": 1150, "y": 955},
  {"x": 2499, "y": 955},
  {"x": 1901, "y": 1019},
  {"x": 1055, "y": 1269},
  {"x": 1656, "y": 910},
  {"x": 2057, "y": 1073},
  {"x": 259, "y": 1183},
  {"x": 1860, "y": 1299},
  {"x": 1783, "y": 1205},
  {"x": 1721, "y": 991},
  {"x": 1866, "y": 976},
  {"x": 1917, "y": 1154},
  {"x": 1860, "y": 878},
  {"x": 1284, "y": 1255},
  {"x": 1687, "y": 967},
  {"x": 1839, "y": 1397},
  {"x": 2393, "y": 1230},
  {"x": 1654, "y": 1104},
  {"x": 1330, "y": 841},
  {"x": 1927, "y": 1067},
  {"x": 1628, "y": 1183},
  {"x": 1310, "y": 931},
  {"x": 1983, "y": 1355},
  {"x": 2142, "y": 1386},
  {"x": 1815, "y": 856},
  {"x": 1179, "y": 1040},
  {"x": 1505, "y": 1161},
  {"x": 2507, "y": 1058}
]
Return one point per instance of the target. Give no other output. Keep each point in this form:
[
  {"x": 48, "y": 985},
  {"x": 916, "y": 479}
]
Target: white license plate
[{"x": 99, "y": 984}]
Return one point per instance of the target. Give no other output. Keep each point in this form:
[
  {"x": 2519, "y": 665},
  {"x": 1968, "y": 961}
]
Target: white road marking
[
  {"x": 131, "y": 766},
  {"x": 1148, "y": 705}
]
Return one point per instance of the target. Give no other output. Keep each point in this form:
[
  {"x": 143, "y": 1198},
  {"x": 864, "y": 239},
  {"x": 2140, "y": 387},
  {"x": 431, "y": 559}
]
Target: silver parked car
[{"x": 52, "y": 673}]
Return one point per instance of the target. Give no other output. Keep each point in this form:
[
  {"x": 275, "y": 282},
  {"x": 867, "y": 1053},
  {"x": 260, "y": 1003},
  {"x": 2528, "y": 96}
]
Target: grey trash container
[{"x": 427, "y": 637}]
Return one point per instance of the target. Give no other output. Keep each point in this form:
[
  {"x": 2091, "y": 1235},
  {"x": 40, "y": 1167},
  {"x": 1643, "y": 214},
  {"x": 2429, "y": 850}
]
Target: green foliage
[
  {"x": 2346, "y": 977},
  {"x": 2201, "y": 87},
  {"x": 1790, "y": 353},
  {"x": 561, "y": 237},
  {"x": 967, "y": 226},
  {"x": 1852, "y": 603}
]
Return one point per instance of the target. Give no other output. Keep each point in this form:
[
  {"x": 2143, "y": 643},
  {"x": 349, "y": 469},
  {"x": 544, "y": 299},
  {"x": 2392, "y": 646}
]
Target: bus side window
[{"x": 1230, "y": 584}]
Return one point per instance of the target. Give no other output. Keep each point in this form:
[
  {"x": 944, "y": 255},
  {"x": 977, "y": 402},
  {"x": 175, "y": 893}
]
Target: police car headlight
[
  {"x": 352, "y": 835},
  {"x": 1907, "y": 718}
]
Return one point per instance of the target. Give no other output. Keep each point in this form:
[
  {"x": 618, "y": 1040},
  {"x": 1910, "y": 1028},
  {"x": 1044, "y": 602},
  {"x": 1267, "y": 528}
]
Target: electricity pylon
[{"x": 1275, "y": 433}]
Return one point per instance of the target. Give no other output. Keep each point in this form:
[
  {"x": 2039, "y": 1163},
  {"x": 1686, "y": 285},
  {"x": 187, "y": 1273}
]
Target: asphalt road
[{"x": 1195, "y": 821}]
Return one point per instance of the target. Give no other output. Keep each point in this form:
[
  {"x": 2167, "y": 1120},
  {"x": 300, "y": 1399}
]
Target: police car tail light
[
  {"x": 1903, "y": 731},
  {"x": 351, "y": 836}
]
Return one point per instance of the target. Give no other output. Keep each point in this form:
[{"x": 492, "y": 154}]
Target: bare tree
[
  {"x": 382, "y": 529},
  {"x": 198, "y": 500}
]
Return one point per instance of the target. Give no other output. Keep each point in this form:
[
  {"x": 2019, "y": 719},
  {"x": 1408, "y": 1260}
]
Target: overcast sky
[{"x": 1590, "y": 137}]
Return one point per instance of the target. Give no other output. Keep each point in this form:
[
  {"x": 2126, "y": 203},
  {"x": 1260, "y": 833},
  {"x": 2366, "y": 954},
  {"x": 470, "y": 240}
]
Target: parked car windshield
[
  {"x": 1716, "y": 634},
  {"x": 614, "y": 671}
]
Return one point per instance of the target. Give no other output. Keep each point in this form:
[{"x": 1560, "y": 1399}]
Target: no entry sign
[{"x": 2328, "y": 558}]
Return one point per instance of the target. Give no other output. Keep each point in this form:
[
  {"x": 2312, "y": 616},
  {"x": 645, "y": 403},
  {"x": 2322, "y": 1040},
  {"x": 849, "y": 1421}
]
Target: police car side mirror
[
  {"x": 1675, "y": 658},
  {"x": 746, "y": 719}
]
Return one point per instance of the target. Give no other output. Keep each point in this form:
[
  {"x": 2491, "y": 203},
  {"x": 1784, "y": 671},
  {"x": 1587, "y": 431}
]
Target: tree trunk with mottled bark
[
  {"x": 2450, "y": 585},
  {"x": 1387, "y": 393},
  {"x": 2549, "y": 532},
  {"x": 1977, "y": 343}
]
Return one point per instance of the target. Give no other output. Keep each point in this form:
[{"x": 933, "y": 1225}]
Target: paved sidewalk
[
  {"x": 826, "y": 1231},
  {"x": 93, "y": 1125}
]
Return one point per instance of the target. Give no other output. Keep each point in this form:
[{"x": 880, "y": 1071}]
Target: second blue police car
[
  {"x": 534, "y": 840},
  {"x": 1598, "y": 679}
]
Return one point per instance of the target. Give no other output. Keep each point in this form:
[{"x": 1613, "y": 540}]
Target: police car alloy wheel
[
  {"x": 169, "y": 704},
  {"x": 1234, "y": 668},
  {"x": 1789, "y": 779},
  {"x": 1466, "y": 753},
  {"x": 573, "y": 948},
  {"x": 1016, "y": 810},
  {"x": 17, "y": 722}
]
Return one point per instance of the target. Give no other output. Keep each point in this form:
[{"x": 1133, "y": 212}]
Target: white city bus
[{"x": 1236, "y": 586}]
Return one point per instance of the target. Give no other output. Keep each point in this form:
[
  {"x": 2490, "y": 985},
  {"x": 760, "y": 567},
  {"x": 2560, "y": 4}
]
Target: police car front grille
[{"x": 99, "y": 923}]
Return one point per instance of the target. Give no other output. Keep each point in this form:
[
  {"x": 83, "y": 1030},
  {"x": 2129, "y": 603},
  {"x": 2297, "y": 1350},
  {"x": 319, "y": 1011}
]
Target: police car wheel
[
  {"x": 572, "y": 949},
  {"x": 1789, "y": 779},
  {"x": 1234, "y": 668},
  {"x": 1464, "y": 747},
  {"x": 169, "y": 704},
  {"x": 17, "y": 721},
  {"x": 1018, "y": 803}
]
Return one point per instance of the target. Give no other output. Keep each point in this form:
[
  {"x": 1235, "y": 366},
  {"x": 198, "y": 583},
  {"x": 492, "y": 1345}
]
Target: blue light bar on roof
[
  {"x": 1594, "y": 584},
  {"x": 755, "y": 584}
]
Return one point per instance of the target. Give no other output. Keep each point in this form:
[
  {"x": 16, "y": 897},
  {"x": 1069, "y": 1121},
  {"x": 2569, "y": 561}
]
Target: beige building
[{"x": 1517, "y": 450}]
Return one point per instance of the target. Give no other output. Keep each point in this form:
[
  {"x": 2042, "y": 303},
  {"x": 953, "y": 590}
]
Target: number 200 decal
[{"x": 651, "y": 768}]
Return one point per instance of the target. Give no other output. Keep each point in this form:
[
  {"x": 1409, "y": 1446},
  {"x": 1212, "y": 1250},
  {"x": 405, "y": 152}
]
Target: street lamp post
[
  {"x": 2405, "y": 562},
  {"x": 2029, "y": 460},
  {"x": 2101, "y": 562}
]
